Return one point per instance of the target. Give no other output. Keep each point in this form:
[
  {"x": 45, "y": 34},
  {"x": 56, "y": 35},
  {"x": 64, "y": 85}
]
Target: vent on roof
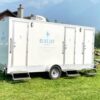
[
  {"x": 38, "y": 18},
  {"x": 20, "y": 11}
]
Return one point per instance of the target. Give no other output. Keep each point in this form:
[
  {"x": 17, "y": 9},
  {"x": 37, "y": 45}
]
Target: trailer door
[
  {"x": 70, "y": 45},
  {"x": 88, "y": 46},
  {"x": 19, "y": 43},
  {"x": 79, "y": 46}
]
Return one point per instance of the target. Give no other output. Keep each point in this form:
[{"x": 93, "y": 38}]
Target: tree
[{"x": 97, "y": 40}]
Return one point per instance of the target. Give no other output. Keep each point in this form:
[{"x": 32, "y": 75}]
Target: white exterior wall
[
  {"x": 3, "y": 43},
  {"x": 45, "y": 44},
  {"x": 79, "y": 52},
  {"x": 36, "y": 46}
]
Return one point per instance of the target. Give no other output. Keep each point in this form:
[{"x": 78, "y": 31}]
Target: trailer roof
[{"x": 66, "y": 25}]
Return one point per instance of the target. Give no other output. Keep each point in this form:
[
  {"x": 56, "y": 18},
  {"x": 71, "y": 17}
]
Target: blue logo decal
[{"x": 47, "y": 40}]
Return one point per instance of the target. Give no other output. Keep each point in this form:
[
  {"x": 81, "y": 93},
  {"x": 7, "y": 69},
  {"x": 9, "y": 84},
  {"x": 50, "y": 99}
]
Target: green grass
[
  {"x": 41, "y": 88},
  {"x": 97, "y": 57},
  {"x": 97, "y": 49}
]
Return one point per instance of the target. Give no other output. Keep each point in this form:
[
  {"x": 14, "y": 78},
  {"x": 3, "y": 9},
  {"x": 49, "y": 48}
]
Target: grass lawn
[
  {"x": 97, "y": 57},
  {"x": 41, "y": 88}
]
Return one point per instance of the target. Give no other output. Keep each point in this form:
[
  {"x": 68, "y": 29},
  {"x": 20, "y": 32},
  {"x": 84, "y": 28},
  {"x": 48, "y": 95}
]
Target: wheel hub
[{"x": 55, "y": 73}]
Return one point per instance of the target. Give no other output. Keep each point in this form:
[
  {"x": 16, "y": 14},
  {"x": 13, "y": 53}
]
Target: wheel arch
[
  {"x": 55, "y": 72},
  {"x": 55, "y": 65}
]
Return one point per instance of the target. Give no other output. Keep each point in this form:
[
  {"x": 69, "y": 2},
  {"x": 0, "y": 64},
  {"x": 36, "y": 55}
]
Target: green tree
[{"x": 97, "y": 40}]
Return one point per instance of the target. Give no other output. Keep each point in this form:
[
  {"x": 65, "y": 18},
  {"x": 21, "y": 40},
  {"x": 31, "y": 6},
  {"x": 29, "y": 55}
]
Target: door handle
[
  {"x": 65, "y": 46},
  {"x": 14, "y": 45},
  {"x": 10, "y": 45},
  {"x": 84, "y": 47},
  {"x": 62, "y": 47}
]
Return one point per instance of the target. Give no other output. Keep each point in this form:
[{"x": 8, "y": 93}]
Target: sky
[{"x": 77, "y": 12}]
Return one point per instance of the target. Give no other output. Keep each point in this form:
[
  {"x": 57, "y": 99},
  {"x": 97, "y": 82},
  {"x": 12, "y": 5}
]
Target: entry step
[
  {"x": 90, "y": 74},
  {"x": 72, "y": 73},
  {"x": 20, "y": 76}
]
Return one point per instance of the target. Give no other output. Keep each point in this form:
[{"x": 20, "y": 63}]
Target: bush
[{"x": 97, "y": 40}]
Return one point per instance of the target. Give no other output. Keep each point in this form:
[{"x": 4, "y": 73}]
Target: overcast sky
[{"x": 80, "y": 12}]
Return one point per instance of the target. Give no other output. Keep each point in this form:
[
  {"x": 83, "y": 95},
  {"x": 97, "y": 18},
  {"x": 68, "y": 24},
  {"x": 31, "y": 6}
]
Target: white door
[
  {"x": 88, "y": 46},
  {"x": 20, "y": 30},
  {"x": 79, "y": 47},
  {"x": 70, "y": 46}
]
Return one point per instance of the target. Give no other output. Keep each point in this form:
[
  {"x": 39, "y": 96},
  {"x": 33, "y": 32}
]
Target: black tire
[{"x": 55, "y": 72}]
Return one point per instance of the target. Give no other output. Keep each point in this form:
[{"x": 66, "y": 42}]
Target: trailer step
[
  {"x": 18, "y": 79},
  {"x": 90, "y": 74},
  {"x": 72, "y": 73},
  {"x": 20, "y": 76}
]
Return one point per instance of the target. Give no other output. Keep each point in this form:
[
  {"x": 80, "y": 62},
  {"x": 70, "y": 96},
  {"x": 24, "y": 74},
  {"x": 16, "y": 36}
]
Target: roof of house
[{"x": 8, "y": 13}]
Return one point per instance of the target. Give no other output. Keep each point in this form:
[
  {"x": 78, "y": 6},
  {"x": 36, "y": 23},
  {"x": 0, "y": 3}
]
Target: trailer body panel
[
  {"x": 4, "y": 44},
  {"x": 34, "y": 46}
]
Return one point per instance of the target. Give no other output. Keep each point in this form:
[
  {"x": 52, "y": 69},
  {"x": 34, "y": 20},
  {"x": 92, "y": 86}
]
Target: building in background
[
  {"x": 20, "y": 14},
  {"x": 7, "y": 13}
]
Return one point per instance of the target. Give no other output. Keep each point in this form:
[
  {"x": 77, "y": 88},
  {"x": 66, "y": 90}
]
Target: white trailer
[{"x": 31, "y": 46}]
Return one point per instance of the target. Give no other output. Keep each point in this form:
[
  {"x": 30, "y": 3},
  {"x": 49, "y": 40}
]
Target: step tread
[
  {"x": 72, "y": 75},
  {"x": 21, "y": 78},
  {"x": 91, "y": 74}
]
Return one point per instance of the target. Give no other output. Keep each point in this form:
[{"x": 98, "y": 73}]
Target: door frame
[
  {"x": 13, "y": 38},
  {"x": 93, "y": 39},
  {"x": 64, "y": 45}
]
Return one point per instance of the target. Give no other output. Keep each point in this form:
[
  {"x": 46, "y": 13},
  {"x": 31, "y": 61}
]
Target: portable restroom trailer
[{"x": 31, "y": 46}]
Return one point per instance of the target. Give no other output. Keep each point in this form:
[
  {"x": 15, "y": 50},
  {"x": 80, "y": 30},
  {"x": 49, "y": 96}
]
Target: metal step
[
  {"x": 72, "y": 73},
  {"x": 90, "y": 74},
  {"x": 20, "y": 76},
  {"x": 18, "y": 79}
]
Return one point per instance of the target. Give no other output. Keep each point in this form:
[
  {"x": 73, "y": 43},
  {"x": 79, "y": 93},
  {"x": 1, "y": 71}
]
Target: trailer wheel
[{"x": 55, "y": 72}]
